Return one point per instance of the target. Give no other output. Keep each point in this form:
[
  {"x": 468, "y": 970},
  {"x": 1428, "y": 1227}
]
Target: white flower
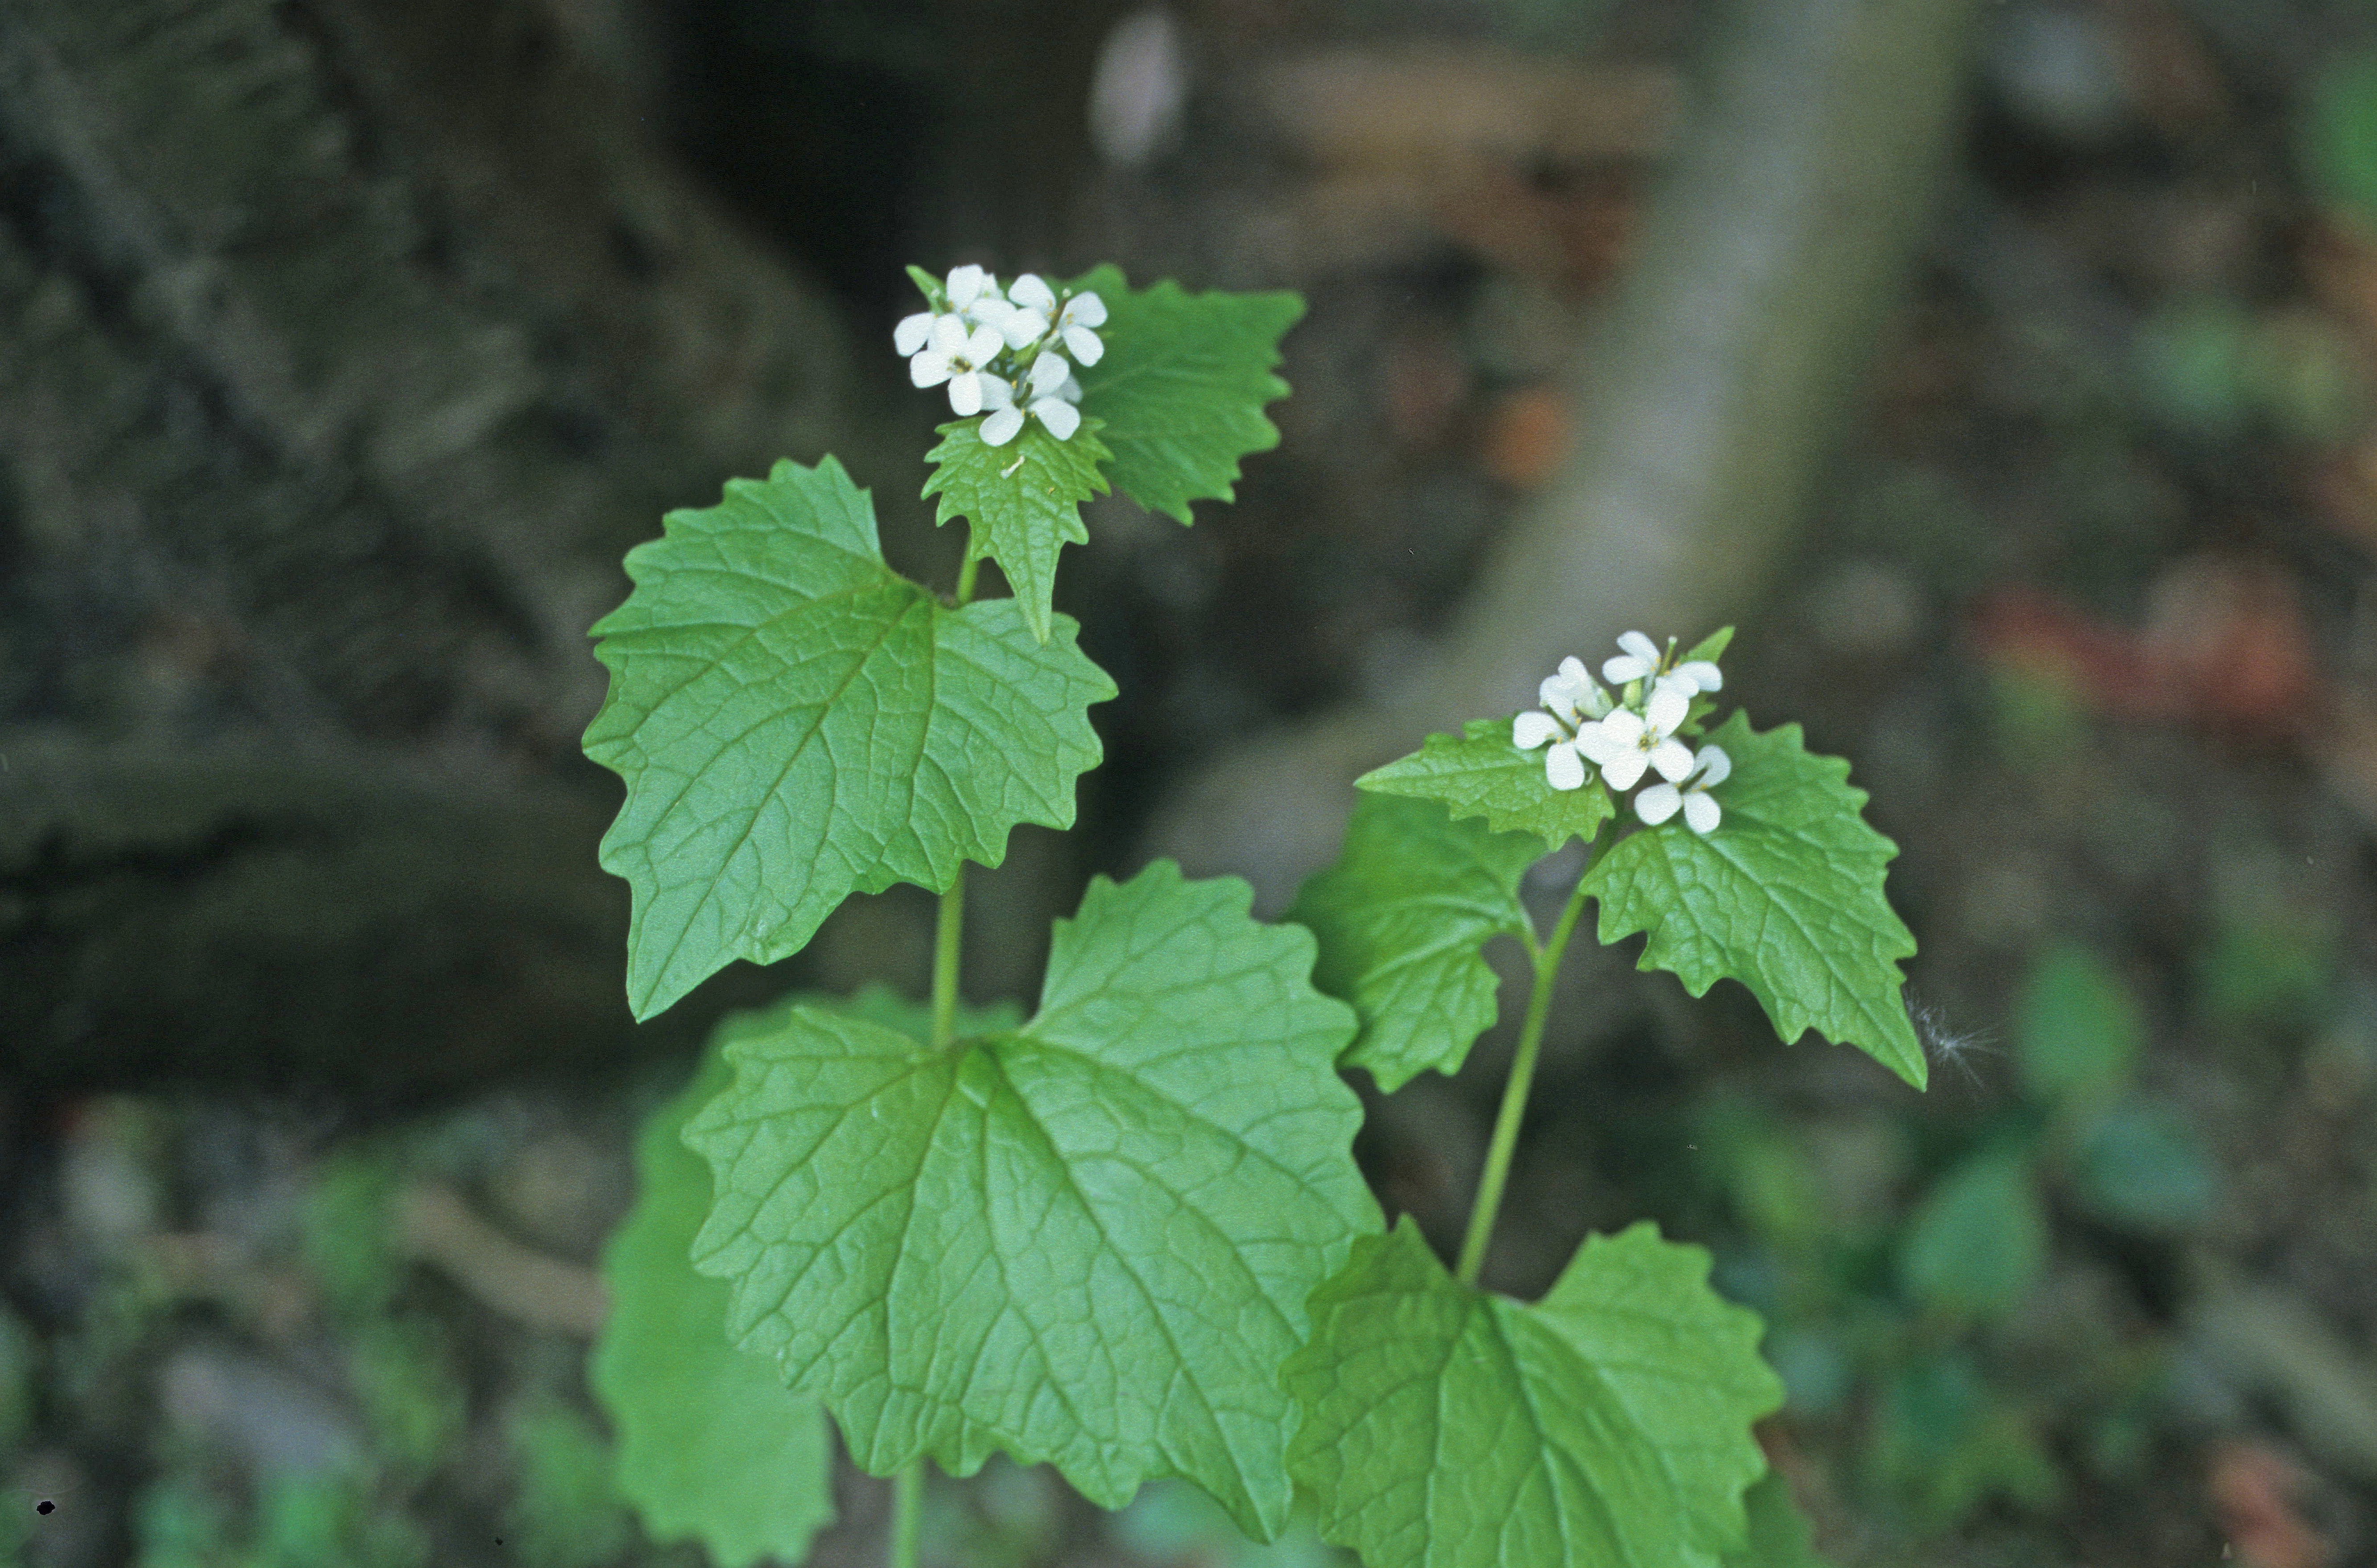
[
  {"x": 1041, "y": 395},
  {"x": 1035, "y": 306},
  {"x": 1563, "y": 768},
  {"x": 1050, "y": 376},
  {"x": 1082, "y": 312},
  {"x": 1626, "y": 742},
  {"x": 1709, "y": 767},
  {"x": 1640, "y": 658},
  {"x": 1573, "y": 700},
  {"x": 1571, "y": 693},
  {"x": 962, "y": 359}
]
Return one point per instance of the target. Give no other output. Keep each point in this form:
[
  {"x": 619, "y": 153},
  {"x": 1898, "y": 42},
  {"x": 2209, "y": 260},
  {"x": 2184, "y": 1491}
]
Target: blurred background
[{"x": 2006, "y": 371}]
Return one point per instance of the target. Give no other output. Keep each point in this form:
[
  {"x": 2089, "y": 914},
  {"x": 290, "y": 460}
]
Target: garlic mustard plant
[{"x": 1122, "y": 1233}]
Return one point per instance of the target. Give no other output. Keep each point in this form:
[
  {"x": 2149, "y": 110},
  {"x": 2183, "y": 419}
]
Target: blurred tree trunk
[
  {"x": 344, "y": 347},
  {"x": 1711, "y": 390}
]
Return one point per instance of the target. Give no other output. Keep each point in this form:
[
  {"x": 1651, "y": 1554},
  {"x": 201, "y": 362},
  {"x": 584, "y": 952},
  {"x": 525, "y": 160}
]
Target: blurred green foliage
[
  {"x": 17, "y": 1369},
  {"x": 2213, "y": 367},
  {"x": 564, "y": 1512},
  {"x": 347, "y": 1245},
  {"x": 331, "y": 1520},
  {"x": 1978, "y": 1243},
  {"x": 2337, "y": 138},
  {"x": 413, "y": 1407},
  {"x": 1897, "y": 1267},
  {"x": 2079, "y": 1035}
]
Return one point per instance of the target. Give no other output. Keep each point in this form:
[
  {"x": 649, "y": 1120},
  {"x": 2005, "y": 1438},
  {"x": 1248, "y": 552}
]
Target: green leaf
[
  {"x": 1024, "y": 500},
  {"x": 796, "y": 722},
  {"x": 1480, "y": 773},
  {"x": 1088, "y": 1240},
  {"x": 1400, "y": 918},
  {"x": 1710, "y": 648},
  {"x": 1182, "y": 387},
  {"x": 1785, "y": 896},
  {"x": 1606, "y": 1425},
  {"x": 712, "y": 1445},
  {"x": 2078, "y": 1033},
  {"x": 1779, "y": 1536},
  {"x": 1978, "y": 1243}
]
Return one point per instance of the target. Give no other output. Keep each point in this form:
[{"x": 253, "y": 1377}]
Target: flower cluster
[
  {"x": 1004, "y": 349},
  {"x": 1631, "y": 733}
]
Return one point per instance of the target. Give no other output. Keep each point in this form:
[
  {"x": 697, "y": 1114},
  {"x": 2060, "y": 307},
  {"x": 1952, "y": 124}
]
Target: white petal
[
  {"x": 929, "y": 368},
  {"x": 1672, "y": 758},
  {"x": 1702, "y": 812},
  {"x": 949, "y": 335},
  {"x": 1572, "y": 671},
  {"x": 1000, "y": 428},
  {"x": 1624, "y": 770},
  {"x": 1021, "y": 328},
  {"x": 1657, "y": 803},
  {"x": 1048, "y": 372},
  {"x": 965, "y": 394},
  {"x": 983, "y": 346},
  {"x": 1532, "y": 729},
  {"x": 1086, "y": 309},
  {"x": 1640, "y": 646},
  {"x": 1061, "y": 418},
  {"x": 1598, "y": 744},
  {"x": 1070, "y": 391},
  {"x": 1682, "y": 685},
  {"x": 1032, "y": 293},
  {"x": 1704, "y": 674},
  {"x": 1086, "y": 345},
  {"x": 966, "y": 284},
  {"x": 1623, "y": 727},
  {"x": 1625, "y": 668},
  {"x": 914, "y": 332},
  {"x": 1667, "y": 708},
  {"x": 996, "y": 392},
  {"x": 1563, "y": 769},
  {"x": 1715, "y": 766}
]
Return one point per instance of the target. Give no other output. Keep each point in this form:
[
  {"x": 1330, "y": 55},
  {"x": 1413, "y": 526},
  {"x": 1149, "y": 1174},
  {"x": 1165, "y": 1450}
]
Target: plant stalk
[
  {"x": 1522, "y": 1076},
  {"x": 948, "y": 934},
  {"x": 907, "y": 1512}
]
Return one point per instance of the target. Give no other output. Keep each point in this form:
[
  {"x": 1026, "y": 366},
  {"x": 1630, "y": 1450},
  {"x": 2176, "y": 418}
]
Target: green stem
[
  {"x": 1514, "y": 1092},
  {"x": 907, "y": 1512},
  {"x": 949, "y": 929},
  {"x": 947, "y": 934}
]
